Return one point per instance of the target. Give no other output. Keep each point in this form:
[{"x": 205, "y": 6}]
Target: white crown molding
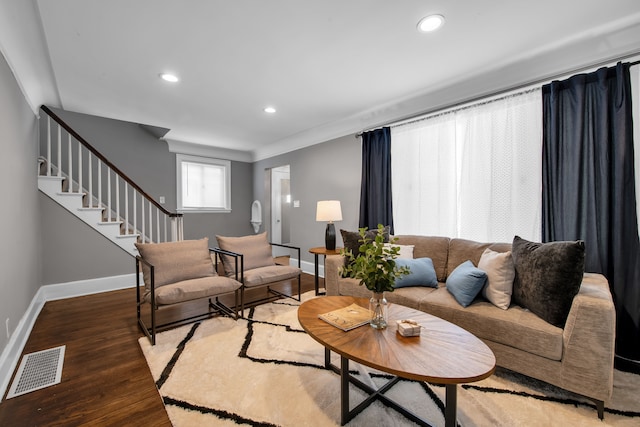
[
  {"x": 183, "y": 147},
  {"x": 563, "y": 57}
]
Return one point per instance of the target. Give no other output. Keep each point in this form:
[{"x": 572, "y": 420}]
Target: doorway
[{"x": 281, "y": 204}]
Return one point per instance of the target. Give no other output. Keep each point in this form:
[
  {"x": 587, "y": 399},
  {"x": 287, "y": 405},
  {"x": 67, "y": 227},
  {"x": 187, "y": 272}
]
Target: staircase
[{"x": 85, "y": 183}]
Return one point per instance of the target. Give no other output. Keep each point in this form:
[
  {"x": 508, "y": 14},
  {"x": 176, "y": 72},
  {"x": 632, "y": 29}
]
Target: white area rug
[{"x": 266, "y": 371}]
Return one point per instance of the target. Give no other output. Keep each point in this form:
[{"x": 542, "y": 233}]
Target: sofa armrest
[
  {"x": 332, "y": 265},
  {"x": 589, "y": 339}
]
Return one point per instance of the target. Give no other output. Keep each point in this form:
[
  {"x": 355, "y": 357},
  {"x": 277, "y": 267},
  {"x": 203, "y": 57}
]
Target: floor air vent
[{"x": 38, "y": 370}]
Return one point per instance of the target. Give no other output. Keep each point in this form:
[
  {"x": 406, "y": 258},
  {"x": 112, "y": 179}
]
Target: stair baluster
[{"x": 121, "y": 202}]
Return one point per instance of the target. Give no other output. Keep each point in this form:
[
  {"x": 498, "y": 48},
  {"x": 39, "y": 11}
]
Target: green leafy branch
[{"x": 375, "y": 264}]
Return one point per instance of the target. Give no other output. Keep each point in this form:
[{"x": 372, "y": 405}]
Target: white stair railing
[{"x": 105, "y": 187}]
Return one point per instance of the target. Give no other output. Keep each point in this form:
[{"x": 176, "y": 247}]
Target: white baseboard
[
  {"x": 12, "y": 351},
  {"x": 11, "y": 354},
  {"x": 307, "y": 267},
  {"x": 87, "y": 287}
]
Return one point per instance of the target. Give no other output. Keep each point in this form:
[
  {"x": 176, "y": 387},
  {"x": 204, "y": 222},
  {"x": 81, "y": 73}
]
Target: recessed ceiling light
[
  {"x": 430, "y": 23},
  {"x": 269, "y": 110},
  {"x": 169, "y": 77}
]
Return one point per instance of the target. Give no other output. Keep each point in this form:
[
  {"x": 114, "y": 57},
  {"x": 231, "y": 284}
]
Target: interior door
[{"x": 280, "y": 204}]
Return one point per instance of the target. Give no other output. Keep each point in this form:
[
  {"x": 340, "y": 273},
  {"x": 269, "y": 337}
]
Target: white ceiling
[{"x": 330, "y": 67}]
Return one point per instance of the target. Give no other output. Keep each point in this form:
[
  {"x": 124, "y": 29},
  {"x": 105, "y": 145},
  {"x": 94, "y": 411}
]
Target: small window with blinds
[{"x": 203, "y": 184}]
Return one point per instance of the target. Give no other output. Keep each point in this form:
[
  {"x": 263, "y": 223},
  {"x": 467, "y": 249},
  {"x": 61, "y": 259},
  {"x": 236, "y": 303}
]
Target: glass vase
[{"x": 378, "y": 307}]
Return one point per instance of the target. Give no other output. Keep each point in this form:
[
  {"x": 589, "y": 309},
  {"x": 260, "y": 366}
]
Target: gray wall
[
  {"x": 147, "y": 161},
  {"x": 327, "y": 171},
  {"x": 20, "y": 255},
  {"x": 235, "y": 223},
  {"x": 73, "y": 251},
  {"x": 133, "y": 150}
]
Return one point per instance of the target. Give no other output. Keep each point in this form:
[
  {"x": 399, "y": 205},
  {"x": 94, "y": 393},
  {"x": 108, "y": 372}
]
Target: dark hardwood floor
[{"x": 105, "y": 379}]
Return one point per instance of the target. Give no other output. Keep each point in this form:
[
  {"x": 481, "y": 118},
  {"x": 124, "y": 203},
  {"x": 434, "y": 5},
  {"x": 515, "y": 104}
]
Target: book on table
[{"x": 347, "y": 318}]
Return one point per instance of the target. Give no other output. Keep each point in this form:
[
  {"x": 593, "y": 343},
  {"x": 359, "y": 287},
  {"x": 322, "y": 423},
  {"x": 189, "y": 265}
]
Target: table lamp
[{"x": 329, "y": 210}]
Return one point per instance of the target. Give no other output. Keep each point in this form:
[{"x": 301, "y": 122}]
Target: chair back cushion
[
  {"x": 176, "y": 261},
  {"x": 255, "y": 248}
]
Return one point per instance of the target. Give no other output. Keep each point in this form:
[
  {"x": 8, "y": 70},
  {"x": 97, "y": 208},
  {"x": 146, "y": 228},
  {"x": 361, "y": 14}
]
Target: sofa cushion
[
  {"x": 548, "y": 277},
  {"x": 433, "y": 247},
  {"x": 194, "y": 289},
  {"x": 516, "y": 327},
  {"x": 269, "y": 274},
  {"x": 176, "y": 261},
  {"x": 466, "y": 282},
  {"x": 461, "y": 250},
  {"x": 500, "y": 275},
  {"x": 409, "y": 297},
  {"x": 255, "y": 248},
  {"x": 421, "y": 273}
]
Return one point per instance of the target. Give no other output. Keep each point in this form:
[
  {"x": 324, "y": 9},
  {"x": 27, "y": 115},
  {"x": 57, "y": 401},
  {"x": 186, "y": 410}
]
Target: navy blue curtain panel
[
  {"x": 589, "y": 187},
  {"x": 375, "y": 192}
]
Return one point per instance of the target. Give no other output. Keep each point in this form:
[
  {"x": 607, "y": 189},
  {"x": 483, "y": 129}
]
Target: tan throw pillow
[
  {"x": 500, "y": 275},
  {"x": 176, "y": 261},
  {"x": 256, "y": 250},
  {"x": 405, "y": 252}
]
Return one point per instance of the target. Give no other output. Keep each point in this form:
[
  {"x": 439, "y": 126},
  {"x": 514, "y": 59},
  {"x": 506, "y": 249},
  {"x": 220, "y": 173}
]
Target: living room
[{"x": 44, "y": 247}]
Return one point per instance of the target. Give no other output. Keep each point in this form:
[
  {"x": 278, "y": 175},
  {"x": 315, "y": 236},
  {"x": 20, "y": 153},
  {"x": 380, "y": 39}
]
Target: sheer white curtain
[
  {"x": 474, "y": 173},
  {"x": 424, "y": 179}
]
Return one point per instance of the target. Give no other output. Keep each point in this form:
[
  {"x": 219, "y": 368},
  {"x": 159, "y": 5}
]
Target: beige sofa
[{"x": 578, "y": 358}]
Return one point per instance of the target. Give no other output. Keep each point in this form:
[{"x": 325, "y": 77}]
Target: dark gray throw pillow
[
  {"x": 548, "y": 277},
  {"x": 351, "y": 239}
]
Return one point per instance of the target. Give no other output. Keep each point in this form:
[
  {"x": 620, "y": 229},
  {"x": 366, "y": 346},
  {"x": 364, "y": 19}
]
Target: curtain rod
[{"x": 527, "y": 87}]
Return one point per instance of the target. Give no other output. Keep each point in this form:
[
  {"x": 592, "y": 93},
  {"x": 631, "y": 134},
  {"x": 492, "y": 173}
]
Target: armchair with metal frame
[
  {"x": 252, "y": 258},
  {"x": 176, "y": 273}
]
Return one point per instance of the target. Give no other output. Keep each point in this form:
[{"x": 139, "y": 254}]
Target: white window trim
[{"x": 226, "y": 164}]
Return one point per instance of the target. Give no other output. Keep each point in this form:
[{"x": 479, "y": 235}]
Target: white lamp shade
[{"x": 328, "y": 210}]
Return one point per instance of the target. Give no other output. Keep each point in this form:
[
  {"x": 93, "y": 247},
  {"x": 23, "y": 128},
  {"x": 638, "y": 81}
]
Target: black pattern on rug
[
  {"x": 174, "y": 359},
  {"x": 247, "y": 343},
  {"x": 543, "y": 398},
  {"x": 238, "y": 419},
  {"x": 546, "y": 394}
]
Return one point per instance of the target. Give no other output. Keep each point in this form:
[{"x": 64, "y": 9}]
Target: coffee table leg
[
  {"x": 344, "y": 390},
  {"x": 450, "y": 410}
]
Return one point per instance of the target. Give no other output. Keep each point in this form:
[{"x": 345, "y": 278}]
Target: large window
[
  {"x": 204, "y": 184},
  {"x": 473, "y": 173}
]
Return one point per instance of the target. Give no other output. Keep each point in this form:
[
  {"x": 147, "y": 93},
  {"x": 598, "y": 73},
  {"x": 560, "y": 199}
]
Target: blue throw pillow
[
  {"x": 422, "y": 273},
  {"x": 465, "y": 282}
]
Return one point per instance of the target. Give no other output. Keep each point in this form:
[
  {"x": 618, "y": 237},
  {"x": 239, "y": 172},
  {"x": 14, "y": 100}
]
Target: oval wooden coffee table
[{"x": 443, "y": 354}]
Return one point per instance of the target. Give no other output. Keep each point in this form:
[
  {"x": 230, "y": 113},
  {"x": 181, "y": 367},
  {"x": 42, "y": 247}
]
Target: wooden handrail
[{"x": 113, "y": 167}]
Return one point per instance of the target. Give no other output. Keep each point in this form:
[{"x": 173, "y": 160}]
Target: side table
[{"x": 321, "y": 250}]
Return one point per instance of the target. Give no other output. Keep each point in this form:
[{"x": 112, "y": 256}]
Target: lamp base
[{"x": 330, "y": 237}]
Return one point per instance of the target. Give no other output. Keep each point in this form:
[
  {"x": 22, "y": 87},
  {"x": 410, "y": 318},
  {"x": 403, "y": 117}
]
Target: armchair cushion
[
  {"x": 256, "y": 250},
  {"x": 176, "y": 261},
  {"x": 270, "y": 274},
  {"x": 195, "y": 289}
]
